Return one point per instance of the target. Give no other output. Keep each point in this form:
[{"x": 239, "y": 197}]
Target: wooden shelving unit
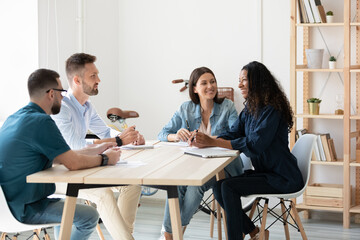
[{"x": 347, "y": 72}]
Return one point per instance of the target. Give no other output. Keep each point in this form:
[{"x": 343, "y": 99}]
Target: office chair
[
  {"x": 302, "y": 151},
  {"x": 9, "y": 224}
]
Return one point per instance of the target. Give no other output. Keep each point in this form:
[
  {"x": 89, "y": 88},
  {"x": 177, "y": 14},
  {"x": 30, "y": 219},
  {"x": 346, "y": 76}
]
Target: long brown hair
[{"x": 194, "y": 77}]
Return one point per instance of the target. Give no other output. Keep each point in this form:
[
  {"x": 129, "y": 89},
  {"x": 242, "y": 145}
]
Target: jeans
[
  {"x": 228, "y": 193},
  {"x": 189, "y": 201},
  {"x": 190, "y": 196},
  {"x": 118, "y": 215},
  {"x": 85, "y": 219}
]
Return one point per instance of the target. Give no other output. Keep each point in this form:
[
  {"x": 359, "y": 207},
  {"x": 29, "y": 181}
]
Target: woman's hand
[
  {"x": 182, "y": 134},
  {"x": 198, "y": 139}
]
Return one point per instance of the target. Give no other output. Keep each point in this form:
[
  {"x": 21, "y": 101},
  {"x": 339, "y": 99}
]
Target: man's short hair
[
  {"x": 42, "y": 80},
  {"x": 76, "y": 63}
]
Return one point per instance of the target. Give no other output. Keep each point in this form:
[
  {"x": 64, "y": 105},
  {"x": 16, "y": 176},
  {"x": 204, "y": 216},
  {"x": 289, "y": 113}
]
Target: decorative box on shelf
[{"x": 323, "y": 194}]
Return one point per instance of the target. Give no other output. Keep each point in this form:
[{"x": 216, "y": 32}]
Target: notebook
[{"x": 211, "y": 152}]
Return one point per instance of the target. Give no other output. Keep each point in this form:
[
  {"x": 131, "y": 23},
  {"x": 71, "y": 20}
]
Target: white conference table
[{"x": 164, "y": 167}]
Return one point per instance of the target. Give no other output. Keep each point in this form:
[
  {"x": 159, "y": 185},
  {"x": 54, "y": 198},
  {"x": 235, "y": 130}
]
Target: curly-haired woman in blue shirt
[
  {"x": 261, "y": 133},
  {"x": 208, "y": 114}
]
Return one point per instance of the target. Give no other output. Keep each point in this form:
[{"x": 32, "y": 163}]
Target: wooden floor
[{"x": 149, "y": 219}]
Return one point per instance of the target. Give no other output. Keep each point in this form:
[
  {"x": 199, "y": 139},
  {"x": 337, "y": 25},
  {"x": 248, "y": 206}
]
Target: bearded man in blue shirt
[{"x": 30, "y": 142}]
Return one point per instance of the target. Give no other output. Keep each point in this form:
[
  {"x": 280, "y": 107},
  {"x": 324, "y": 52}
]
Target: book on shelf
[
  {"x": 309, "y": 13},
  {"x": 300, "y": 12},
  {"x": 324, "y": 140},
  {"x": 321, "y": 148},
  {"x": 321, "y": 11},
  {"x": 315, "y": 11},
  {"x": 303, "y": 11},
  {"x": 332, "y": 150}
]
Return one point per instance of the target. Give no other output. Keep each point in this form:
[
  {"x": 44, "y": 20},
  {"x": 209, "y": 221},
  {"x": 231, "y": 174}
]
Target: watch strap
[{"x": 118, "y": 141}]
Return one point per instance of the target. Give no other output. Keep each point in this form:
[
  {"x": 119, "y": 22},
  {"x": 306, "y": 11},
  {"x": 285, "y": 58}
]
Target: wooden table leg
[
  {"x": 67, "y": 218},
  {"x": 68, "y": 211},
  {"x": 175, "y": 213}
]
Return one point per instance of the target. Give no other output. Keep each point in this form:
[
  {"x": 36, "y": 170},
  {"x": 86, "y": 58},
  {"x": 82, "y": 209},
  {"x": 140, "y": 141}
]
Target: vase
[
  {"x": 332, "y": 64},
  {"x": 329, "y": 19},
  {"x": 314, "y": 108},
  {"x": 314, "y": 58}
]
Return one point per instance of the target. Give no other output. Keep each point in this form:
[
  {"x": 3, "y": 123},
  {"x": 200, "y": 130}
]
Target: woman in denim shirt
[
  {"x": 208, "y": 114},
  {"x": 261, "y": 133}
]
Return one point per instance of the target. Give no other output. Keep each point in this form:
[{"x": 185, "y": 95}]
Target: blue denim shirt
[{"x": 221, "y": 119}]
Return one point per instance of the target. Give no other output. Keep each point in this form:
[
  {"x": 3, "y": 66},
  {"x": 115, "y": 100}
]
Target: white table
[{"x": 165, "y": 167}]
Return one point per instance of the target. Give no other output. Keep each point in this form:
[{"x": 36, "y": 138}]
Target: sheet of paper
[{"x": 132, "y": 146}]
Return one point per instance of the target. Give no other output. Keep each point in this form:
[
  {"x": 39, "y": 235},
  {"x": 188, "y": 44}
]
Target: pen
[
  {"x": 187, "y": 125},
  {"x": 194, "y": 135}
]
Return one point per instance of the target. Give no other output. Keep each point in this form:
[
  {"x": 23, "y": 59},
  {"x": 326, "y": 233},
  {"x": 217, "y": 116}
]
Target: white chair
[
  {"x": 302, "y": 150},
  {"x": 9, "y": 224}
]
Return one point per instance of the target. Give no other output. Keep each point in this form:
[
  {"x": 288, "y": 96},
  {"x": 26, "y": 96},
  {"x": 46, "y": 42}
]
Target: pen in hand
[
  {"x": 194, "y": 135},
  {"x": 187, "y": 125}
]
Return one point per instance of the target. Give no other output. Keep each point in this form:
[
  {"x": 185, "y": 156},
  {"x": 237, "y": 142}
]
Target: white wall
[
  {"x": 59, "y": 38},
  {"x": 163, "y": 40},
  {"x": 19, "y": 53}
]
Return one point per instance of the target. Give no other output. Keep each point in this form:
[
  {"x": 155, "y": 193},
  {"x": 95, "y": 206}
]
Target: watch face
[{"x": 104, "y": 160}]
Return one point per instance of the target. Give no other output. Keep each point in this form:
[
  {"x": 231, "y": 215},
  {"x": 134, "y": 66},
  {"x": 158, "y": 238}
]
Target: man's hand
[
  {"x": 129, "y": 135},
  {"x": 140, "y": 140},
  {"x": 113, "y": 155},
  {"x": 100, "y": 148}
]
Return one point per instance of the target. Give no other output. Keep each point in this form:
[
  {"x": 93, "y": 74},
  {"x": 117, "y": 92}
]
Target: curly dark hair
[{"x": 265, "y": 90}]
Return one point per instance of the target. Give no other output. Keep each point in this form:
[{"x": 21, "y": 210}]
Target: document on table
[
  {"x": 132, "y": 146},
  {"x": 211, "y": 152}
]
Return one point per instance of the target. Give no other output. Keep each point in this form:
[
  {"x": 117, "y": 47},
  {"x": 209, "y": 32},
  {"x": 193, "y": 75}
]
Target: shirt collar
[
  {"x": 36, "y": 107},
  {"x": 76, "y": 102}
]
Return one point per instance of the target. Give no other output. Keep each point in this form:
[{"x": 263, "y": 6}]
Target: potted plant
[
  {"x": 329, "y": 16},
  {"x": 332, "y": 62},
  {"x": 314, "y": 106}
]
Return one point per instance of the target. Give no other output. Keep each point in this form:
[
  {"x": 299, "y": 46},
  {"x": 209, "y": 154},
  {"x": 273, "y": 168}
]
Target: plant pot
[
  {"x": 332, "y": 64},
  {"x": 314, "y": 108},
  {"x": 314, "y": 58},
  {"x": 329, "y": 19}
]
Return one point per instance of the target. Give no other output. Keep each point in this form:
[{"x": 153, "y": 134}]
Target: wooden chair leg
[
  {"x": 98, "y": 229},
  {"x": 212, "y": 217},
  {"x": 37, "y": 232},
  {"x": 286, "y": 226},
  {"x": 263, "y": 223},
  {"x": 251, "y": 214},
  {"x": 3, "y": 236},
  {"x": 224, "y": 222},
  {"x": 298, "y": 221}
]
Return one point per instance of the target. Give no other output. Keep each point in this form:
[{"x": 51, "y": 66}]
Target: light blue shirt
[
  {"x": 74, "y": 121},
  {"x": 221, "y": 119}
]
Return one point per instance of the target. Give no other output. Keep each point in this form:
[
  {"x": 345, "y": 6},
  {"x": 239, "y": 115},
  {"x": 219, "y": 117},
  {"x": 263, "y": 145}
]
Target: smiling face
[
  {"x": 244, "y": 83},
  {"x": 206, "y": 87},
  {"x": 90, "y": 79}
]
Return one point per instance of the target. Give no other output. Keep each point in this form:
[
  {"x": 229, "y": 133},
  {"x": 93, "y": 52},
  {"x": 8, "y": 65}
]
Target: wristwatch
[
  {"x": 118, "y": 141},
  {"x": 104, "y": 160}
]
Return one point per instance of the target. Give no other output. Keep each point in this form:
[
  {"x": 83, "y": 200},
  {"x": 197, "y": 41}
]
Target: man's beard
[
  {"x": 55, "y": 109},
  {"x": 90, "y": 91}
]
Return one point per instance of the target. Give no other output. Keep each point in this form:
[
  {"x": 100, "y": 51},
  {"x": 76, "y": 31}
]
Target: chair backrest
[
  {"x": 227, "y": 92},
  {"x": 6, "y": 218},
  {"x": 302, "y": 150}
]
